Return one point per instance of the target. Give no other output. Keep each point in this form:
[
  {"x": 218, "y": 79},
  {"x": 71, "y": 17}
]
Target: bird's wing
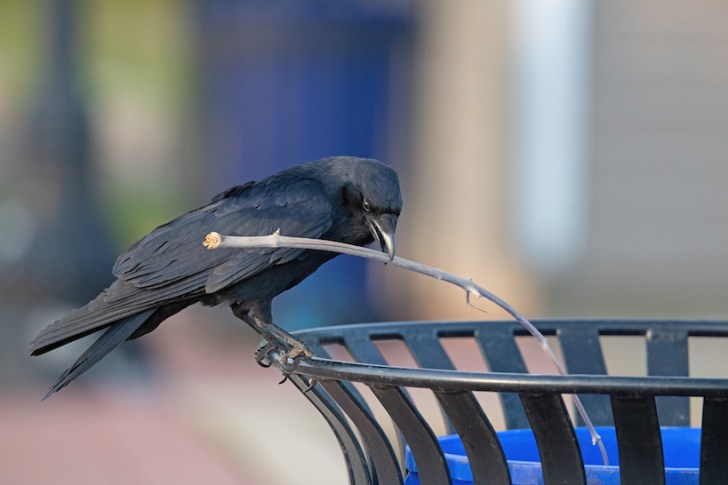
[
  {"x": 171, "y": 263},
  {"x": 174, "y": 252},
  {"x": 245, "y": 263}
]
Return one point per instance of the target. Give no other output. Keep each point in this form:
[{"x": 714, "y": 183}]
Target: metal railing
[{"x": 635, "y": 406}]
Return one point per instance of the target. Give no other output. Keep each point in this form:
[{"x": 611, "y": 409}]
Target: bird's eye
[{"x": 365, "y": 205}]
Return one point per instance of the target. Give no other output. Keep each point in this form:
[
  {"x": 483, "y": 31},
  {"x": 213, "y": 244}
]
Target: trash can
[{"x": 643, "y": 420}]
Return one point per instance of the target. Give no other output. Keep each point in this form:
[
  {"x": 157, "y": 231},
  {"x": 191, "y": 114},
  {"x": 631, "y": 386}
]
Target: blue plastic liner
[{"x": 681, "y": 448}]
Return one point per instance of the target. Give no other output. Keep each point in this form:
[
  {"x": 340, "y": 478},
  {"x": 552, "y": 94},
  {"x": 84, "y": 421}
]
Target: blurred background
[{"x": 569, "y": 155}]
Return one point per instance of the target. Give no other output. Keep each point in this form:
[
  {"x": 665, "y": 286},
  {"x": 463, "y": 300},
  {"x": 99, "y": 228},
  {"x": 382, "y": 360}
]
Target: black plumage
[{"x": 344, "y": 199}]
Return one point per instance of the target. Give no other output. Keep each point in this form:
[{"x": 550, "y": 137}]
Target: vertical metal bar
[
  {"x": 383, "y": 458},
  {"x": 427, "y": 350},
  {"x": 667, "y": 355},
  {"x": 502, "y": 355},
  {"x": 431, "y": 465},
  {"x": 638, "y": 440},
  {"x": 364, "y": 350},
  {"x": 429, "y": 354},
  {"x": 558, "y": 447},
  {"x": 485, "y": 454},
  {"x": 321, "y": 351},
  {"x": 583, "y": 355},
  {"x": 354, "y": 457},
  {"x": 714, "y": 442}
]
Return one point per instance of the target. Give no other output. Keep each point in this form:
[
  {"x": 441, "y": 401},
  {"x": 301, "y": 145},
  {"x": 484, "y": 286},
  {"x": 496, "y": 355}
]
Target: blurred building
[
  {"x": 567, "y": 155},
  {"x": 657, "y": 242},
  {"x": 570, "y": 156},
  {"x": 283, "y": 83}
]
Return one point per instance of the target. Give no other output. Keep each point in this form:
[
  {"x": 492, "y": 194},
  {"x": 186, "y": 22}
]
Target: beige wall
[
  {"x": 657, "y": 154},
  {"x": 658, "y": 241},
  {"x": 456, "y": 192}
]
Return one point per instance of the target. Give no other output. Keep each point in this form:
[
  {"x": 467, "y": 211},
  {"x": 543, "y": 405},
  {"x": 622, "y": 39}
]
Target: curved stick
[{"x": 214, "y": 240}]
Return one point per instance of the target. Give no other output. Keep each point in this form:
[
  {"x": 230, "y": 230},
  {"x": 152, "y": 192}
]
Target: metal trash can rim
[{"x": 637, "y": 407}]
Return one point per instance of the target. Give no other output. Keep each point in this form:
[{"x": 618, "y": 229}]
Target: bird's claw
[
  {"x": 312, "y": 381},
  {"x": 297, "y": 350},
  {"x": 285, "y": 352},
  {"x": 262, "y": 353}
]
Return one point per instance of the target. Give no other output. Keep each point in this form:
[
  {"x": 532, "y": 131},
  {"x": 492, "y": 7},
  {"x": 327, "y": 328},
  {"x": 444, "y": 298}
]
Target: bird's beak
[{"x": 383, "y": 227}]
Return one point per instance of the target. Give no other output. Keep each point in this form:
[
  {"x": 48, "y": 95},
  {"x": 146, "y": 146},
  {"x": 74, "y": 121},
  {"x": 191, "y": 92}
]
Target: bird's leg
[
  {"x": 275, "y": 338},
  {"x": 268, "y": 344}
]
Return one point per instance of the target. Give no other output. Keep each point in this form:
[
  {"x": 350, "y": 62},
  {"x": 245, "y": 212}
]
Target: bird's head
[{"x": 372, "y": 200}]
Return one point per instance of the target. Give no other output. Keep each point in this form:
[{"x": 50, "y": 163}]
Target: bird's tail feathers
[
  {"x": 117, "y": 302},
  {"x": 111, "y": 338}
]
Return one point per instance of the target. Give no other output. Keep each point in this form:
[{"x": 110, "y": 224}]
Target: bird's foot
[
  {"x": 312, "y": 381},
  {"x": 297, "y": 350},
  {"x": 281, "y": 347},
  {"x": 262, "y": 353}
]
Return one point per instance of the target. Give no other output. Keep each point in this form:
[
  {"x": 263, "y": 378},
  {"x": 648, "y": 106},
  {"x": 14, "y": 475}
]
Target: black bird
[{"x": 345, "y": 199}]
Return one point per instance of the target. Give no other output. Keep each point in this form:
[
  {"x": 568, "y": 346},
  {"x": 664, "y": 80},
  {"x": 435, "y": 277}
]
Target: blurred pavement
[{"x": 212, "y": 415}]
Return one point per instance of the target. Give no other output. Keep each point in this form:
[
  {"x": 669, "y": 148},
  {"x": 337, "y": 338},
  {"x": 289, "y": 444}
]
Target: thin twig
[{"x": 214, "y": 240}]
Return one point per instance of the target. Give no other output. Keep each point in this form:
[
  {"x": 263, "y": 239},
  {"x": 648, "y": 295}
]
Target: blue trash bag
[{"x": 681, "y": 449}]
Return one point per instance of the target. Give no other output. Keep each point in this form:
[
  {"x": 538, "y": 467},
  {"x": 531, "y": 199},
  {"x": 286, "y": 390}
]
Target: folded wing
[{"x": 171, "y": 264}]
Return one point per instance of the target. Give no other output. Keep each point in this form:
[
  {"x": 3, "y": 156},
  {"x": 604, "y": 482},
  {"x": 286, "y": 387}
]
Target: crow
[{"x": 345, "y": 199}]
